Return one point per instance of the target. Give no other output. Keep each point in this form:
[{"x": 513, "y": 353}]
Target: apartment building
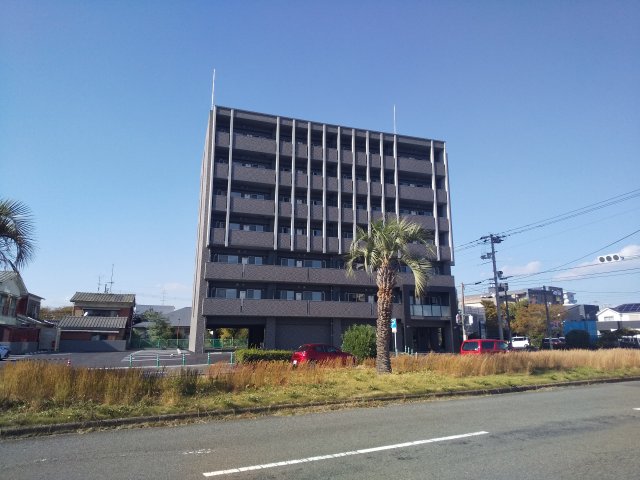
[{"x": 279, "y": 205}]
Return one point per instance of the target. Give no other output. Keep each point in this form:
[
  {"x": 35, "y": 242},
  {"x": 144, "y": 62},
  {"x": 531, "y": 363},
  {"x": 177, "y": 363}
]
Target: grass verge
[{"x": 40, "y": 393}]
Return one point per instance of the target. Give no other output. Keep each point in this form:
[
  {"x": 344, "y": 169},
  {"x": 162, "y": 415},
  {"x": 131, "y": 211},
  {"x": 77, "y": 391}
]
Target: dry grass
[{"x": 41, "y": 392}]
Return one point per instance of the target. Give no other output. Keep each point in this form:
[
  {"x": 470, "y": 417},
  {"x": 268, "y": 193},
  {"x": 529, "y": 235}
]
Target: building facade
[{"x": 280, "y": 202}]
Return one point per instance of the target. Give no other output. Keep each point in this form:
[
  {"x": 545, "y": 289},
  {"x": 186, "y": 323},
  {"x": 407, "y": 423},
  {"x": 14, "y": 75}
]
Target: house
[
  {"x": 100, "y": 322},
  {"x": 626, "y": 315},
  {"x": 281, "y": 201},
  {"x": 20, "y": 327}
]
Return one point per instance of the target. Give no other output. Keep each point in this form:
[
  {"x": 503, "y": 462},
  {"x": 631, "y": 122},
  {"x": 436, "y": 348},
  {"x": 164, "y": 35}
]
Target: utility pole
[{"x": 493, "y": 239}]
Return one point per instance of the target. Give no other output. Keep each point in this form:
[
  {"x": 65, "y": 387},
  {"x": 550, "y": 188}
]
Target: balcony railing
[{"x": 430, "y": 311}]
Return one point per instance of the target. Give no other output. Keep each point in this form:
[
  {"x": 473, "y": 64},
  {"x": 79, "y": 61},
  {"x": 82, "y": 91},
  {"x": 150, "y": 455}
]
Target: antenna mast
[
  {"x": 213, "y": 87},
  {"x": 394, "y": 119},
  {"x": 110, "y": 283}
]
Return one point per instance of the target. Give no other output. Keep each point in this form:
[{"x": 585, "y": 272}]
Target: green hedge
[{"x": 252, "y": 355}]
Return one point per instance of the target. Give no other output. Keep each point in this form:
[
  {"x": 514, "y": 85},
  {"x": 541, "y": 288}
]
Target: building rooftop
[
  {"x": 92, "y": 323},
  {"x": 104, "y": 297},
  {"x": 627, "y": 308}
]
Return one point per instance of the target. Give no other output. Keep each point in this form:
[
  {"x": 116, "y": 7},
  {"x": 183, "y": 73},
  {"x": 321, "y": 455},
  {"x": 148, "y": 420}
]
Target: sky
[{"x": 103, "y": 112}]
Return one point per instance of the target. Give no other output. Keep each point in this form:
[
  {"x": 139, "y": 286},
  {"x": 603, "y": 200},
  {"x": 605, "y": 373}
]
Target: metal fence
[
  {"x": 142, "y": 343},
  {"x": 183, "y": 344},
  {"x": 220, "y": 343}
]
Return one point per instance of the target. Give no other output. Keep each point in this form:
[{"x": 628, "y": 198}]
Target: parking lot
[{"x": 130, "y": 359}]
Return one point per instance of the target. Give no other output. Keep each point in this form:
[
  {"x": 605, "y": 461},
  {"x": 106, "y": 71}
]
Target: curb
[{"x": 15, "y": 432}]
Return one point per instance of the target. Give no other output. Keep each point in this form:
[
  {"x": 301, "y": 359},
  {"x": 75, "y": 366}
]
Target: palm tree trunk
[{"x": 386, "y": 281}]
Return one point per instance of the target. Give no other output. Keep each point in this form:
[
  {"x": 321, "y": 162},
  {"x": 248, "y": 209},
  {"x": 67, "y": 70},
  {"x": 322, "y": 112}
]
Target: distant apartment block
[{"x": 280, "y": 202}]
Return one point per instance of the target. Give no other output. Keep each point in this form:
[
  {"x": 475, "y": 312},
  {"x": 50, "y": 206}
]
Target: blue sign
[{"x": 393, "y": 324}]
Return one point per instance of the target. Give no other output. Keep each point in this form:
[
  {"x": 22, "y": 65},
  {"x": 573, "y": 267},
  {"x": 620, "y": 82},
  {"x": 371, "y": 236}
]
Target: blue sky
[{"x": 103, "y": 110}]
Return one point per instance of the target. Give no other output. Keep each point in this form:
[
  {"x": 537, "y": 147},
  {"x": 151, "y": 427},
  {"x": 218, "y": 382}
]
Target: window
[
  {"x": 316, "y": 232},
  {"x": 301, "y": 230},
  {"x": 358, "y": 297},
  {"x": 313, "y": 296},
  {"x": 247, "y": 227},
  {"x": 252, "y": 293},
  {"x": 225, "y": 293},
  {"x": 286, "y": 295},
  {"x": 283, "y": 229}
]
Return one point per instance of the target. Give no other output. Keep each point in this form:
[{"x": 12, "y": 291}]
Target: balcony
[
  {"x": 361, "y": 159},
  {"x": 251, "y": 206},
  {"x": 254, "y": 144},
  {"x": 223, "y": 271},
  {"x": 408, "y": 164},
  {"x": 254, "y": 175},
  {"x": 222, "y": 139},
  {"x": 419, "y": 194},
  {"x": 241, "y": 238},
  {"x": 220, "y": 170},
  {"x": 361, "y": 187},
  {"x": 272, "y": 308},
  {"x": 275, "y": 273},
  {"x": 343, "y": 309}
]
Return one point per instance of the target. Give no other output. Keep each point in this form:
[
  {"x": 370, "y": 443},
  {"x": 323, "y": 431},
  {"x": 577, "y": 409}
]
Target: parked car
[
  {"x": 520, "y": 343},
  {"x": 476, "y": 347},
  {"x": 320, "y": 352},
  {"x": 556, "y": 343},
  {"x": 4, "y": 352}
]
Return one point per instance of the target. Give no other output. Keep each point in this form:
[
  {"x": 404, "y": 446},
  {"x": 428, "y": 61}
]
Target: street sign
[{"x": 394, "y": 325}]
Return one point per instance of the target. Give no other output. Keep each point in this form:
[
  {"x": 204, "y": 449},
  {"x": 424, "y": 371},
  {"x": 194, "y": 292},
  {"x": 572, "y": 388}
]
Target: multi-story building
[{"x": 280, "y": 202}]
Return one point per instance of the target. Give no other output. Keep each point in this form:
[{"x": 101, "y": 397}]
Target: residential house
[
  {"x": 100, "y": 322},
  {"x": 626, "y": 315},
  {"x": 20, "y": 327}
]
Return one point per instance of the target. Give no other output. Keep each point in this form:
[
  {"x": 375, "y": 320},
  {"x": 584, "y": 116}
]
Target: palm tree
[
  {"x": 17, "y": 245},
  {"x": 382, "y": 251}
]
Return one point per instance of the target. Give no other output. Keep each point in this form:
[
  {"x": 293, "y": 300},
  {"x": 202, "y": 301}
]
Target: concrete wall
[{"x": 93, "y": 346}]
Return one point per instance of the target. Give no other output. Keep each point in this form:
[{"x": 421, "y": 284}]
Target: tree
[
  {"x": 160, "y": 328},
  {"x": 531, "y": 320},
  {"x": 48, "y": 313},
  {"x": 382, "y": 252},
  {"x": 17, "y": 245},
  {"x": 490, "y": 315}
]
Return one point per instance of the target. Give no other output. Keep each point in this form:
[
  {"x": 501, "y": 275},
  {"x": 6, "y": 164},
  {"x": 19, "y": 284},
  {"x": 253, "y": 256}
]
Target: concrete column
[
  {"x": 336, "y": 332},
  {"x": 270, "y": 334}
]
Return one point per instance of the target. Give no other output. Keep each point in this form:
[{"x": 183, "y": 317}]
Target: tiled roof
[
  {"x": 92, "y": 323},
  {"x": 104, "y": 297}
]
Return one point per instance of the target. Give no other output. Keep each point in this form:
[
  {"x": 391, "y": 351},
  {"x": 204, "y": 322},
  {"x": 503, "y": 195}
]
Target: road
[{"x": 564, "y": 433}]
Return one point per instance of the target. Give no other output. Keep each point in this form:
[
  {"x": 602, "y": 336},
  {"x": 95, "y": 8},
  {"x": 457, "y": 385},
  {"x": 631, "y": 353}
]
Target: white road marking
[{"x": 342, "y": 454}]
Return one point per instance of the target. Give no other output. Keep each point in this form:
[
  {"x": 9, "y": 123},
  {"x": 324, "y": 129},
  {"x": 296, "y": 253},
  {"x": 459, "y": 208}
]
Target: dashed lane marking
[{"x": 342, "y": 454}]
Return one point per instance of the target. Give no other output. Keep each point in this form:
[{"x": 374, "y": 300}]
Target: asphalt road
[{"x": 563, "y": 433}]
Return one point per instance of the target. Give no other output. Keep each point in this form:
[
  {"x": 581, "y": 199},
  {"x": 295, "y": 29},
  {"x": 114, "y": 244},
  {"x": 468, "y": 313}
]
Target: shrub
[
  {"x": 578, "y": 339},
  {"x": 252, "y": 355},
  {"x": 360, "y": 340},
  {"x": 608, "y": 340}
]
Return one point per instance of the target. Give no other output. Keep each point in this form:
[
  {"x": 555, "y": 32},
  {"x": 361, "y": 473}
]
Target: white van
[{"x": 520, "y": 342}]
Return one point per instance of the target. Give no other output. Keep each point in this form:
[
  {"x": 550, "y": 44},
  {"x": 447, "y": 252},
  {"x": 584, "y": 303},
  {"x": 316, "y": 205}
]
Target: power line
[
  {"x": 579, "y": 258},
  {"x": 558, "y": 218}
]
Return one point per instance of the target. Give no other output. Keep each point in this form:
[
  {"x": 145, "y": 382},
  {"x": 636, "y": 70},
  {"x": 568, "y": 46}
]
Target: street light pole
[
  {"x": 546, "y": 309},
  {"x": 464, "y": 331}
]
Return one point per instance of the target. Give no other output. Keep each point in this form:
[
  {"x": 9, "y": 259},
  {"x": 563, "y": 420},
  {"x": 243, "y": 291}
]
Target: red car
[
  {"x": 320, "y": 352},
  {"x": 476, "y": 347}
]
